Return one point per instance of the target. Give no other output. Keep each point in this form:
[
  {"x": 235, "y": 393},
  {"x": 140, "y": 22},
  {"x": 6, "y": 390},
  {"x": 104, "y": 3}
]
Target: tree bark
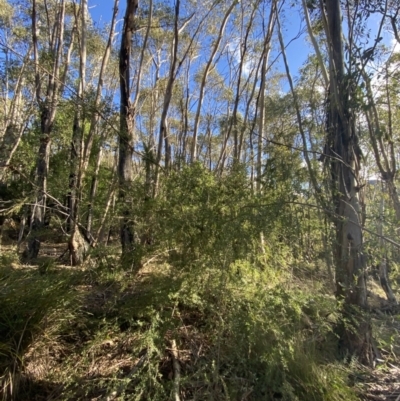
[
  {"x": 77, "y": 246},
  {"x": 315, "y": 44},
  {"x": 350, "y": 262},
  {"x": 383, "y": 265},
  {"x": 48, "y": 108},
  {"x": 126, "y": 136},
  {"x": 261, "y": 99}
]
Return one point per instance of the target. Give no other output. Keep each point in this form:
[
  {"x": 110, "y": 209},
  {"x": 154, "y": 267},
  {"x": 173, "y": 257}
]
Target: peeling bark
[{"x": 344, "y": 165}]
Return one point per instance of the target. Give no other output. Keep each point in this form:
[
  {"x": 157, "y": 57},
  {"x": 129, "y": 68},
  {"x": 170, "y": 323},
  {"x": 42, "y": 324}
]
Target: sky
[
  {"x": 292, "y": 24},
  {"x": 293, "y": 30},
  {"x": 101, "y": 11}
]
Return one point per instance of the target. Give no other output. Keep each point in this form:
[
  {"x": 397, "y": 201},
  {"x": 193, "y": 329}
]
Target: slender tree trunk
[
  {"x": 77, "y": 244},
  {"x": 233, "y": 124},
  {"x": 173, "y": 72},
  {"x": 14, "y": 125},
  {"x": 99, "y": 236},
  {"x": 185, "y": 117},
  {"x": 42, "y": 166},
  {"x": 13, "y": 131},
  {"x": 315, "y": 43},
  {"x": 93, "y": 191},
  {"x": 204, "y": 79},
  {"x": 261, "y": 99},
  {"x": 247, "y": 112},
  {"x": 163, "y": 133},
  {"x": 296, "y": 104},
  {"x": 383, "y": 265},
  {"x": 96, "y": 115},
  {"x": 48, "y": 108},
  {"x": 384, "y": 155},
  {"x": 126, "y": 136}
]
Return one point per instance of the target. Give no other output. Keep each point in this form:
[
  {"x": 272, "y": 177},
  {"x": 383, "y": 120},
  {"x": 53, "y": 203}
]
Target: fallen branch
[{"x": 177, "y": 369}]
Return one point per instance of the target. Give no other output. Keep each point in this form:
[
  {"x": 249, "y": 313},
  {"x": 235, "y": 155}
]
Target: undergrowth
[
  {"x": 226, "y": 295},
  {"x": 242, "y": 334}
]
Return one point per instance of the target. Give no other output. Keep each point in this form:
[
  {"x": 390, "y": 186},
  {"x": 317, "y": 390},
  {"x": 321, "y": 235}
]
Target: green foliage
[
  {"x": 244, "y": 327},
  {"x": 243, "y": 333},
  {"x": 261, "y": 340},
  {"x": 199, "y": 215},
  {"x": 221, "y": 294},
  {"x": 6, "y": 12},
  {"x": 32, "y": 305}
]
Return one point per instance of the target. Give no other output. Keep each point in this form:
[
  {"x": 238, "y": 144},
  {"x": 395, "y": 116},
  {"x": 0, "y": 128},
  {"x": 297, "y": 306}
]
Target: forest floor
[
  {"x": 86, "y": 339},
  {"x": 382, "y": 384}
]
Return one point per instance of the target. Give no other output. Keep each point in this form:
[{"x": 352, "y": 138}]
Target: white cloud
[
  {"x": 248, "y": 63},
  {"x": 395, "y": 45}
]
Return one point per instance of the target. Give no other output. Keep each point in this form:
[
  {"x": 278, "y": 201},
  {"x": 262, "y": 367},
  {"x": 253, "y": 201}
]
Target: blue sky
[
  {"x": 101, "y": 11},
  {"x": 292, "y": 24}
]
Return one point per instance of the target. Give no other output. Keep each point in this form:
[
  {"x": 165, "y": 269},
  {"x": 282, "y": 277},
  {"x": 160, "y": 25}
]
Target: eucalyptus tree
[
  {"x": 342, "y": 155},
  {"x": 208, "y": 66},
  {"x": 251, "y": 34},
  {"x": 380, "y": 116},
  {"x": 246, "y": 27},
  {"x": 212, "y": 120},
  {"x": 47, "y": 88},
  {"x": 87, "y": 114},
  {"x": 381, "y": 120},
  {"x": 181, "y": 48},
  {"x": 266, "y": 49},
  {"x": 373, "y": 97},
  {"x": 126, "y": 134},
  {"x": 94, "y": 123},
  {"x": 173, "y": 71},
  {"x": 344, "y": 158},
  {"x": 77, "y": 244},
  {"x": 238, "y": 60}
]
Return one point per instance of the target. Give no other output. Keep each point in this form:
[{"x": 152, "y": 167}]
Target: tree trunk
[
  {"x": 204, "y": 80},
  {"x": 100, "y": 83},
  {"x": 345, "y": 164},
  {"x": 163, "y": 133},
  {"x": 39, "y": 209},
  {"x": 261, "y": 98},
  {"x": 383, "y": 265},
  {"x": 233, "y": 123},
  {"x": 175, "y": 65},
  {"x": 48, "y": 108},
  {"x": 14, "y": 125},
  {"x": 93, "y": 191},
  {"x": 126, "y": 136},
  {"x": 77, "y": 246},
  {"x": 384, "y": 155},
  {"x": 315, "y": 44}
]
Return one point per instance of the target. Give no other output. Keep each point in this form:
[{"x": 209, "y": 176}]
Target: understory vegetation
[{"x": 246, "y": 318}]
